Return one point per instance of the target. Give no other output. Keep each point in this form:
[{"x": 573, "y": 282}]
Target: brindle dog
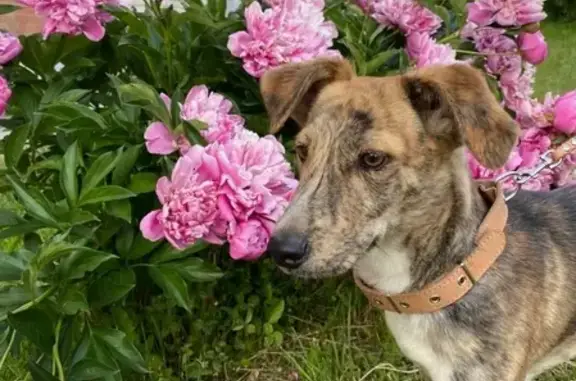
[{"x": 385, "y": 190}]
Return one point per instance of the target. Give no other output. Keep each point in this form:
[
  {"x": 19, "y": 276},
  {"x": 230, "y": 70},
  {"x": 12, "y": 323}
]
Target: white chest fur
[
  {"x": 413, "y": 336},
  {"x": 388, "y": 270}
]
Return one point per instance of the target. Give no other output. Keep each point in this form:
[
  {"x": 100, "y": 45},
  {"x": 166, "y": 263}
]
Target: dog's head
[{"x": 371, "y": 148}]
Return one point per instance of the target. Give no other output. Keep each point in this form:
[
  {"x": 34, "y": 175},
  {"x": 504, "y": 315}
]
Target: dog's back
[{"x": 536, "y": 285}]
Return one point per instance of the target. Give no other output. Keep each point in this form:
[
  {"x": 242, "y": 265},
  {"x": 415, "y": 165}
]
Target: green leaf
[
  {"x": 104, "y": 194},
  {"x": 9, "y": 218},
  {"x": 169, "y": 253},
  {"x": 14, "y": 296},
  {"x": 32, "y": 205},
  {"x": 125, "y": 165},
  {"x": 145, "y": 96},
  {"x": 197, "y": 14},
  {"x": 79, "y": 217},
  {"x": 143, "y": 182},
  {"x": 443, "y": 13},
  {"x": 123, "y": 350},
  {"x": 8, "y": 8},
  {"x": 68, "y": 176},
  {"x": 32, "y": 242},
  {"x": 141, "y": 247},
  {"x": 52, "y": 163},
  {"x": 36, "y": 326},
  {"x": 53, "y": 251},
  {"x": 458, "y": 6},
  {"x": 111, "y": 287},
  {"x": 73, "y": 95},
  {"x": 121, "y": 209},
  {"x": 69, "y": 111},
  {"x": 73, "y": 301},
  {"x": 82, "y": 261},
  {"x": 20, "y": 229},
  {"x": 124, "y": 240},
  {"x": 275, "y": 312},
  {"x": 98, "y": 170},
  {"x": 192, "y": 131},
  {"x": 15, "y": 145},
  {"x": 89, "y": 369},
  {"x": 38, "y": 373},
  {"x": 11, "y": 268},
  {"x": 197, "y": 270},
  {"x": 379, "y": 59},
  {"x": 172, "y": 283}
]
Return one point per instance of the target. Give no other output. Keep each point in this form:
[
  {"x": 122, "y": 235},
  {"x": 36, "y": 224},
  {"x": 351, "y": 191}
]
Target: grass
[
  {"x": 558, "y": 72},
  {"x": 335, "y": 336}
]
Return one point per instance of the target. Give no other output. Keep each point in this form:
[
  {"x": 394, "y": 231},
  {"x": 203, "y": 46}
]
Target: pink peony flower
[
  {"x": 189, "y": 202},
  {"x": 504, "y": 60},
  {"x": 506, "y": 12},
  {"x": 406, "y": 15},
  {"x": 256, "y": 177},
  {"x": 212, "y": 109},
  {"x": 539, "y": 114},
  {"x": 290, "y": 31},
  {"x": 565, "y": 113},
  {"x": 167, "y": 100},
  {"x": 249, "y": 240},
  {"x": 533, "y": 47},
  {"x": 564, "y": 173},
  {"x": 5, "y": 94},
  {"x": 485, "y": 38},
  {"x": 533, "y": 143},
  {"x": 424, "y": 50},
  {"x": 159, "y": 139},
  {"x": 234, "y": 190},
  {"x": 518, "y": 93},
  {"x": 72, "y": 16},
  {"x": 481, "y": 173},
  {"x": 10, "y": 47}
]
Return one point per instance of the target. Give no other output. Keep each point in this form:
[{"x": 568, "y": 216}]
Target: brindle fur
[{"x": 411, "y": 221}]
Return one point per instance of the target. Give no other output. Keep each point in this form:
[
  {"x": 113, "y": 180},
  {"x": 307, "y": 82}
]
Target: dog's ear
[
  {"x": 289, "y": 91},
  {"x": 462, "y": 92}
]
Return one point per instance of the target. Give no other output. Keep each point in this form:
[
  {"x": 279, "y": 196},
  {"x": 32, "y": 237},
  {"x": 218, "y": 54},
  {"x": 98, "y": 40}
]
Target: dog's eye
[
  {"x": 301, "y": 152},
  {"x": 373, "y": 159}
]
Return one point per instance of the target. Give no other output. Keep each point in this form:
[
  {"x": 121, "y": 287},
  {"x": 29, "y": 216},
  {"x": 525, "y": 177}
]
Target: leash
[{"x": 548, "y": 160}]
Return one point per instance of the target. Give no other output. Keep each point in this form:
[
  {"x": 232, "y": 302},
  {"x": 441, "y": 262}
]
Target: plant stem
[
  {"x": 449, "y": 37},
  {"x": 31, "y": 303},
  {"x": 8, "y": 349},
  {"x": 55, "y": 353}
]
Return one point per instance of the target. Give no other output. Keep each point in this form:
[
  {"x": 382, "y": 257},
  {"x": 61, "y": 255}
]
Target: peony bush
[{"x": 146, "y": 185}]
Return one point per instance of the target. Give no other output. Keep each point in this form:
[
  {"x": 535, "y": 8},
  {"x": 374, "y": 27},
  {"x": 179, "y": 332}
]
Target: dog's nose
[{"x": 289, "y": 250}]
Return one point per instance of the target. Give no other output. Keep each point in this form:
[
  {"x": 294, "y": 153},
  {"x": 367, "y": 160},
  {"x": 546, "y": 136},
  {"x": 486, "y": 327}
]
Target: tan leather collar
[{"x": 490, "y": 242}]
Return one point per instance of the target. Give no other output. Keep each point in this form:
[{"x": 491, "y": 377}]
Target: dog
[{"x": 385, "y": 191}]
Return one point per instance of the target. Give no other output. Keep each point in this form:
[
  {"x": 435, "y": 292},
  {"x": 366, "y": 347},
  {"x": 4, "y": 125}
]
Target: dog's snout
[{"x": 289, "y": 250}]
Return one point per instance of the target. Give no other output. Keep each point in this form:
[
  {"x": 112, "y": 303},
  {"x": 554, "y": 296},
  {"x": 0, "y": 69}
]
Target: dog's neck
[{"x": 435, "y": 234}]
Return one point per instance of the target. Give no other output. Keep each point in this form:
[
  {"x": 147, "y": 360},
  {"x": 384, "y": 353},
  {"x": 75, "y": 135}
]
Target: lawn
[
  {"x": 336, "y": 337},
  {"x": 558, "y": 72}
]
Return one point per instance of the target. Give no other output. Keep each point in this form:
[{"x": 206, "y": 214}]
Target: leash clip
[{"x": 519, "y": 178}]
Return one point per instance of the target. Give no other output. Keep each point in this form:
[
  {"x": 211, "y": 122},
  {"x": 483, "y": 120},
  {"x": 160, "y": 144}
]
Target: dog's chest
[{"x": 415, "y": 338}]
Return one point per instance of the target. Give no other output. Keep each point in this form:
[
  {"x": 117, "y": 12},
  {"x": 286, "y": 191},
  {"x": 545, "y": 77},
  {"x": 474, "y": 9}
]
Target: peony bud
[
  {"x": 533, "y": 47},
  {"x": 565, "y": 113}
]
